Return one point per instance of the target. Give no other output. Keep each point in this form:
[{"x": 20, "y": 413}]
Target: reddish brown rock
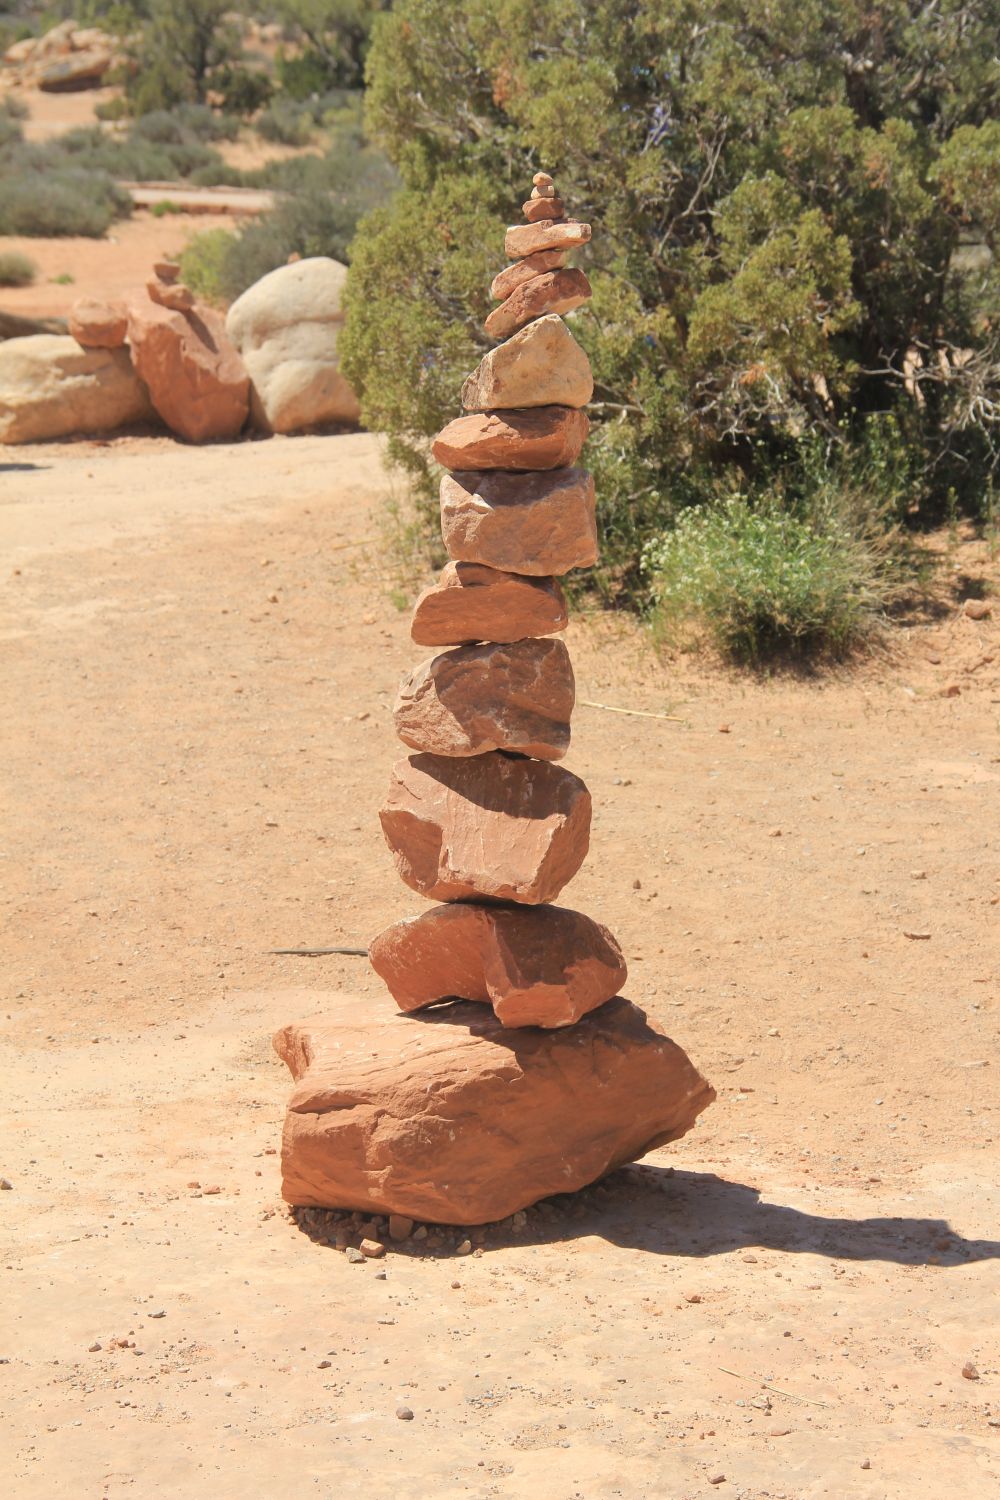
[
  {"x": 473, "y": 603},
  {"x": 98, "y": 325},
  {"x": 195, "y": 377},
  {"x": 172, "y": 294},
  {"x": 525, "y": 523},
  {"x": 552, "y": 292},
  {"x": 167, "y": 270},
  {"x": 511, "y": 277},
  {"x": 492, "y": 825},
  {"x": 543, "y": 207},
  {"x": 516, "y": 697},
  {"x": 545, "y": 437},
  {"x": 528, "y": 239},
  {"x": 542, "y": 365},
  {"x": 454, "y": 1119},
  {"x": 536, "y": 965}
]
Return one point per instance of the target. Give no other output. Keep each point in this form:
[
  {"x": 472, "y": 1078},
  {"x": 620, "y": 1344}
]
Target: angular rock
[
  {"x": 454, "y": 1119},
  {"x": 78, "y": 70},
  {"x": 544, "y": 437},
  {"x": 195, "y": 377},
  {"x": 51, "y": 388},
  {"x": 546, "y": 206},
  {"x": 98, "y": 325},
  {"x": 505, "y": 828},
  {"x": 286, "y": 328},
  {"x": 552, "y": 292},
  {"x": 472, "y": 603},
  {"x": 473, "y": 699},
  {"x": 525, "y": 523},
  {"x": 511, "y": 277},
  {"x": 527, "y": 239},
  {"x": 536, "y": 965},
  {"x": 172, "y": 294},
  {"x": 542, "y": 365},
  {"x": 167, "y": 271}
]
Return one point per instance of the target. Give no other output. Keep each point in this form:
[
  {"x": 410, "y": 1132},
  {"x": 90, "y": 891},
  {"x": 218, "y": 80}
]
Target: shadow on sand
[{"x": 664, "y": 1211}]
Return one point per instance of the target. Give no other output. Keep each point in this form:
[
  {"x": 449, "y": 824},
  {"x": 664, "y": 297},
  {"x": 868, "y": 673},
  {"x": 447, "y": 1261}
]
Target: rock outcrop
[
  {"x": 195, "y": 377},
  {"x": 457, "y": 1119},
  {"x": 285, "y": 327},
  {"x": 51, "y": 388}
]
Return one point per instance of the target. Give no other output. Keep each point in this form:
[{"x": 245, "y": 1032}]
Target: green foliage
[
  {"x": 16, "y": 269},
  {"x": 13, "y": 108},
  {"x": 178, "y": 53},
  {"x": 287, "y": 122},
  {"x": 780, "y": 191},
  {"x": 241, "y": 90},
  {"x": 203, "y": 264},
  {"x": 337, "y": 33},
  {"x": 64, "y": 201}
]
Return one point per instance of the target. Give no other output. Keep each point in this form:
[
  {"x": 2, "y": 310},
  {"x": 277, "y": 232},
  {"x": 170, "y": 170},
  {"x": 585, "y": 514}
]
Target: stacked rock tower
[
  {"x": 482, "y": 817},
  {"x": 485, "y": 1108}
]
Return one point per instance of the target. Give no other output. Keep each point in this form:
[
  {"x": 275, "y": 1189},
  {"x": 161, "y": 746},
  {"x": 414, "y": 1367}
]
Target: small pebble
[
  {"x": 465, "y": 1248},
  {"x": 866, "y": 1463},
  {"x": 404, "y": 1413},
  {"x": 93, "y": 1348},
  {"x": 160, "y": 1314},
  {"x": 717, "y": 1479},
  {"x": 354, "y": 1256},
  {"x": 324, "y": 1364},
  {"x": 372, "y": 1249},
  {"x": 969, "y": 1371},
  {"x": 6, "y": 1186},
  {"x": 977, "y": 609}
]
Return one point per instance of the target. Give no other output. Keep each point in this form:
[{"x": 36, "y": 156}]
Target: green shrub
[
  {"x": 777, "y": 190},
  {"x": 305, "y": 74},
  {"x": 16, "y": 269},
  {"x": 112, "y": 110},
  {"x": 242, "y": 91},
  {"x": 760, "y": 578},
  {"x": 203, "y": 264},
  {"x": 10, "y": 131},
  {"x": 63, "y": 202},
  {"x": 13, "y": 108},
  {"x": 287, "y": 123}
]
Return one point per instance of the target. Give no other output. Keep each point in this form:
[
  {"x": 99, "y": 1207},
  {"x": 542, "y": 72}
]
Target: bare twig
[
  {"x": 809, "y": 1400},
  {"x": 639, "y": 713},
  {"x": 319, "y": 952}
]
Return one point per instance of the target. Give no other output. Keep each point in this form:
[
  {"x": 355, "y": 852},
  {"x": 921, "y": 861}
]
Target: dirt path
[{"x": 200, "y": 649}]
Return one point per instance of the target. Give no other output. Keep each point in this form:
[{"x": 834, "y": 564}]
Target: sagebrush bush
[
  {"x": 63, "y": 202},
  {"x": 286, "y": 122},
  {"x": 16, "y": 269},
  {"x": 203, "y": 264}
]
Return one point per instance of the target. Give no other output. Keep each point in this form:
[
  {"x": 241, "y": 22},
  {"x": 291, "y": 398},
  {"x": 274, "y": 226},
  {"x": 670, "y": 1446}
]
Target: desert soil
[{"x": 200, "y": 650}]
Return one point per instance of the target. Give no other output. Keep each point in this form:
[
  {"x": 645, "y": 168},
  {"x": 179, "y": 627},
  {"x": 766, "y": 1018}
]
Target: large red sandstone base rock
[
  {"x": 552, "y": 292},
  {"x": 493, "y": 825},
  {"x": 536, "y": 965},
  {"x": 452, "y": 1119},
  {"x": 195, "y": 377},
  {"x": 542, "y": 437},
  {"x": 516, "y": 697},
  {"x": 472, "y": 603},
  {"x": 526, "y": 523}
]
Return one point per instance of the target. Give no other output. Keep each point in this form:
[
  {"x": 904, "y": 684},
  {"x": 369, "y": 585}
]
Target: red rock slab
[
  {"x": 511, "y": 277},
  {"x": 540, "y": 208},
  {"x": 536, "y": 524},
  {"x": 452, "y": 1118},
  {"x": 544, "y": 437},
  {"x": 522, "y": 240},
  {"x": 498, "y": 826},
  {"x": 172, "y": 294},
  {"x": 552, "y": 292},
  {"x": 98, "y": 325},
  {"x": 473, "y": 603},
  {"x": 195, "y": 377},
  {"x": 536, "y": 965},
  {"x": 473, "y": 699}
]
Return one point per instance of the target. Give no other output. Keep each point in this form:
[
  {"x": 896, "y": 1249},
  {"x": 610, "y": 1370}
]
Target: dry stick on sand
[
  {"x": 318, "y": 952},
  {"x": 809, "y": 1400},
  {"x": 639, "y": 713}
]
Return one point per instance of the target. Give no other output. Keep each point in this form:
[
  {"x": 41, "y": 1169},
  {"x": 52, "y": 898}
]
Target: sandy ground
[{"x": 200, "y": 650}]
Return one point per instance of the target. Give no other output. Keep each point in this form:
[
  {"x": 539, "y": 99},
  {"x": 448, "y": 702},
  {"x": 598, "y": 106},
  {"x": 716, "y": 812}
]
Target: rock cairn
[
  {"x": 481, "y": 816},
  {"x": 548, "y": 1078}
]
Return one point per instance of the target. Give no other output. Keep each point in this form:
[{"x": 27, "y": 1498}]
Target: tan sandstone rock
[
  {"x": 492, "y": 825},
  {"x": 552, "y": 292},
  {"x": 536, "y": 965},
  {"x": 544, "y": 437},
  {"x": 526, "y": 523},
  {"x": 541, "y": 365},
  {"x": 511, "y": 277},
  {"x": 98, "y": 325},
  {"x": 472, "y": 603},
  {"x": 51, "y": 388},
  {"x": 195, "y": 377},
  {"x": 544, "y": 206},
  {"x": 528, "y": 239},
  {"x": 472, "y": 699},
  {"x": 454, "y": 1119},
  {"x": 172, "y": 294}
]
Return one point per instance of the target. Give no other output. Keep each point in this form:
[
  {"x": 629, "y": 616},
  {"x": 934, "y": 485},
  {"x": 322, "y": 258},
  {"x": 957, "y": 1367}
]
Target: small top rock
[{"x": 542, "y": 179}]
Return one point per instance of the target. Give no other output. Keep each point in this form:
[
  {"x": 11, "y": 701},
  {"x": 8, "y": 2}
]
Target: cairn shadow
[
  {"x": 23, "y": 468},
  {"x": 667, "y": 1211}
]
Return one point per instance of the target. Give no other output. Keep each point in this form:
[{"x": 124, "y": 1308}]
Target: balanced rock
[
  {"x": 454, "y": 1119},
  {"x": 552, "y": 292},
  {"x": 195, "y": 377},
  {"x": 172, "y": 294},
  {"x": 541, "y": 365},
  {"x": 543, "y": 206},
  {"x": 526, "y": 523},
  {"x": 98, "y": 325},
  {"x": 51, "y": 388},
  {"x": 536, "y": 965},
  {"x": 505, "y": 828},
  {"x": 516, "y": 697},
  {"x": 544, "y": 437},
  {"x": 511, "y": 277},
  {"x": 472, "y": 603},
  {"x": 286, "y": 328},
  {"x": 528, "y": 239}
]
